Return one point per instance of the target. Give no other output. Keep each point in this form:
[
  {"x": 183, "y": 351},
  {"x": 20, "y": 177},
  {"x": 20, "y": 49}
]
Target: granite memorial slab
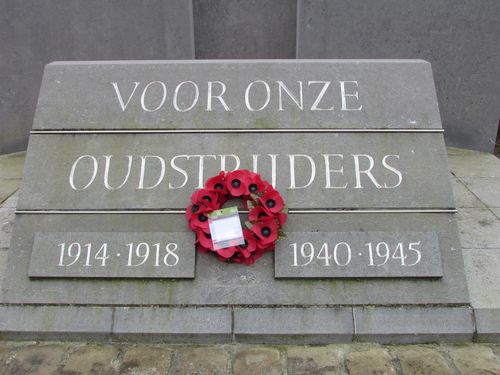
[
  {"x": 314, "y": 171},
  {"x": 219, "y": 283},
  {"x": 358, "y": 254},
  {"x": 113, "y": 254},
  {"x": 355, "y": 148},
  {"x": 225, "y": 94}
]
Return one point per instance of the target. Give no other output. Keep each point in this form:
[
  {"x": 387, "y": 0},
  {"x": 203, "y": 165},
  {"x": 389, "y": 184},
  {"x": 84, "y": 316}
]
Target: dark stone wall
[
  {"x": 461, "y": 39},
  {"x": 36, "y": 32},
  {"x": 245, "y": 29}
]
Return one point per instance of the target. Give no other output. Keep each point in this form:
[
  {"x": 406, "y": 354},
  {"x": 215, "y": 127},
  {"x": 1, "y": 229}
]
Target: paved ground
[
  {"x": 476, "y": 181},
  {"x": 362, "y": 359}
]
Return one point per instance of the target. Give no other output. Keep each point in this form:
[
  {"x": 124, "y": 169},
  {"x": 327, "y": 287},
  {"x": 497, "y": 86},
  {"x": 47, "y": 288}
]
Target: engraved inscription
[
  {"x": 184, "y": 96},
  {"x": 358, "y": 254},
  {"x": 113, "y": 255}
]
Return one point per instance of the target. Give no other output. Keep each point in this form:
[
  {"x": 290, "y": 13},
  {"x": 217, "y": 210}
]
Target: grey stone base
[
  {"x": 413, "y": 325},
  {"x": 269, "y": 325},
  {"x": 488, "y": 325}
]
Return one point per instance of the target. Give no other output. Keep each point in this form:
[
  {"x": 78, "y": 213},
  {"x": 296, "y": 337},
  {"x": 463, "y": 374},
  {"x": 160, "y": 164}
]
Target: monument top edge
[{"x": 241, "y": 61}]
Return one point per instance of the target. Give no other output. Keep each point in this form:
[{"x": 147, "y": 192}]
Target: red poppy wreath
[{"x": 266, "y": 217}]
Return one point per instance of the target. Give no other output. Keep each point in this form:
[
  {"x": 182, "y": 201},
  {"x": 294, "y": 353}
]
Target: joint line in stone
[
  {"x": 296, "y": 211},
  {"x": 218, "y": 131}
]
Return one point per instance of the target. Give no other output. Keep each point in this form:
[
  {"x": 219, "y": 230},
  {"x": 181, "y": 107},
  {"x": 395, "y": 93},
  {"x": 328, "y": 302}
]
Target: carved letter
[
  {"x": 210, "y": 96},
  {"x": 223, "y": 162},
  {"x": 143, "y": 171},
  {"x": 392, "y": 169},
  {"x": 315, "y": 105},
  {"x": 273, "y": 169},
  {"x": 344, "y": 96},
  {"x": 195, "y": 100},
  {"x": 119, "y": 95},
  {"x": 247, "y": 94},
  {"x": 162, "y": 101},
  {"x": 106, "y": 172},
  {"x": 180, "y": 170},
  {"x": 255, "y": 161},
  {"x": 201, "y": 166},
  {"x": 329, "y": 171},
  {"x": 299, "y": 102},
  {"x": 367, "y": 172},
  {"x": 292, "y": 171},
  {"x": 72, "y": 172}
]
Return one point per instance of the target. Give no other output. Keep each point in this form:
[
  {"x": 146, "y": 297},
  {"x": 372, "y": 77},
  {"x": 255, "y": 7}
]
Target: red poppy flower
[
  {"x": 266, "y": 231},
  {"x": 282, "y": 217},
  {"x": 196, "y": 209},
  {"x": 217, "y": 183},
  {"x": 255, "y": 255},
  {"x": 238, "y": 259},
  {"x": 237, "y": 182},
  {"x": 227, "y": 252},
  {"x": 256, "y": 184},
  {"x": 204, "y": 239},
  {"x": 258, "y": 213},
  {"x": 207, "y": 197},
  {"x": 199, "y": 220},
  {"x": 265, "y": 247},
  {"x": 250, "y": 244},
  {"x": 272, "y": 201},
  {"x": 270, "y": 248}
]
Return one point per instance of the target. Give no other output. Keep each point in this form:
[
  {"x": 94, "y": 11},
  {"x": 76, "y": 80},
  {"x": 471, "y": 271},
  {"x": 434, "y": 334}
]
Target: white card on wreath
[{"x": 225, "y": 228}]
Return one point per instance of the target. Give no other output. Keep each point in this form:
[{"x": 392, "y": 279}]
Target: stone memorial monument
[{"x": 101, "y": 248}]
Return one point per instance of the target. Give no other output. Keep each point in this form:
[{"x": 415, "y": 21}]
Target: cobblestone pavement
[
  {"x": 353, "y": 359},
  {"x": 476, "y": 182}
]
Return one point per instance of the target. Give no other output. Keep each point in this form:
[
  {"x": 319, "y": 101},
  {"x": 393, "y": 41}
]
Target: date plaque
[
  {"x": 113, "y": 255},
  {"x": 358, "y": 255}
]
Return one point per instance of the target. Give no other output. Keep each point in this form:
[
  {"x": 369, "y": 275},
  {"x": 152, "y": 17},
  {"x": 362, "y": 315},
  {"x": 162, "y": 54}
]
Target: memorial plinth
[{"x": 355, "y": 147}]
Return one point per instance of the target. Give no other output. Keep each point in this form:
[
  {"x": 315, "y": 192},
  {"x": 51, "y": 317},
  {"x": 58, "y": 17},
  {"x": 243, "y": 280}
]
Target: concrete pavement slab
[
  {"x": 6, "y": 224},
  {"x": 3, "y": 264},
  {"x": 483, "y": 277},
  {"x": 487, "y": 189},
  {"x": 476, "y": 164},
  {"x": 11, "y": 202},
  {"x": 478, "y": 228},
  {"x": 11, "y": 165},
  {"x": 8, "y": 187},
  {"x": 464, "y": 198}
]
